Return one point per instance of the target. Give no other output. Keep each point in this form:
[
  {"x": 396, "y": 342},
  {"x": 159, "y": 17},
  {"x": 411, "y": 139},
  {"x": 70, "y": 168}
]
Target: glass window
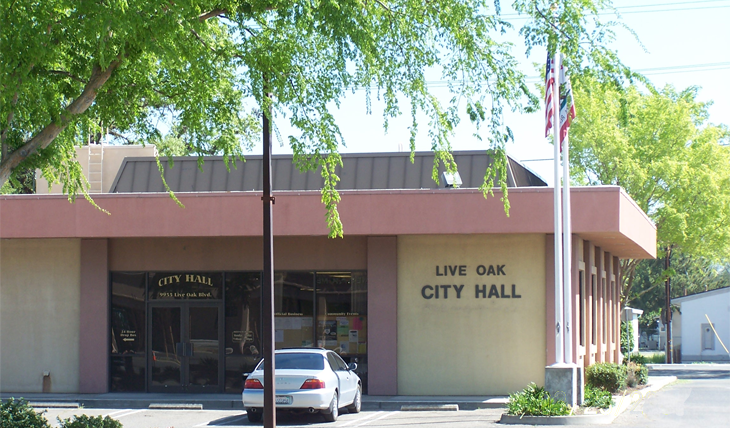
[
  {"x": 594, "y": 309},
  {"x": 294, "y": 309},
  {"x": 297, "y": 361},
  {"x": 341, "y": 365},
  {"x": 342, "y": 301},
  {"x": 342, "y": 312},
  {"x": 185, "y": 286},
  {"x": 243, "y": 327},
  {"x": 604, "y": 310},
  {"x": 127, "y": 357},
  {"x": 333, "y": 362},
  {"x": 582, "y": 308},
  {"x": 613, "y": 312}
]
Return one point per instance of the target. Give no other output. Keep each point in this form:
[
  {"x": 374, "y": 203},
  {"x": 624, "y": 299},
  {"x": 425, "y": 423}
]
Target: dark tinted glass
[
  {"x": 203, "y": 361},
  {"x": 294, "y": 307},
  {"x": 243, "y": 326},
  {"x": 185, "y": 286},
  {"x": 342, "y": 312},
  {"x": 342, "y": 321},
  {"x": 297, "y": 361},
  {"x": 167, "y": 352},
  {"x": 127, "y": 355}
]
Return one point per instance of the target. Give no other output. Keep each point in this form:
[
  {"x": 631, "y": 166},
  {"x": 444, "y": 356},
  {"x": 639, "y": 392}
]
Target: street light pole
[
  {"x": 268, "y": 287},
  {"x": 668, "y": 308}
]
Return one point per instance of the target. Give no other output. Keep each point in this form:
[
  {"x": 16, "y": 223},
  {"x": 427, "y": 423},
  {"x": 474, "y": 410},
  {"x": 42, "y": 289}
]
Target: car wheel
[
  {"x": 330, "y": 415},
  {"x": 255, "y": 415},
  {"x": 357, "y": 402}
]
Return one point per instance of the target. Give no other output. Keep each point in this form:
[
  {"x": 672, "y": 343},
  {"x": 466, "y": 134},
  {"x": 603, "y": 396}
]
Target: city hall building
[{"x": 432, "y": 290}]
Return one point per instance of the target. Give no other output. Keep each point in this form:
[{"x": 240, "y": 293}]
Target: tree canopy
[
  {"x": 72, "y": 69},
  {"x": 658, "y": 146},
  {"x": 690, "y": 275}
]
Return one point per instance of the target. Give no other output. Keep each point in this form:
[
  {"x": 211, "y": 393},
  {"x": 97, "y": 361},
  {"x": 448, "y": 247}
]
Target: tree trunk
[{"x": 46, "y": 136}]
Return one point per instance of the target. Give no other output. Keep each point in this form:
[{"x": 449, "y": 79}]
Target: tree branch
[
  {"x": 200, "y": 39},
  {"x": 211, "y": 14},
  {"x": 120, "y": 135},
  {"x": 44, "y": 138}
]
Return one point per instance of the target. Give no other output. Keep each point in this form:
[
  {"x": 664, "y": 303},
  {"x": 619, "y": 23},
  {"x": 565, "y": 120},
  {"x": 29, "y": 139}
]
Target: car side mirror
[{"x": 352, "y": 367}]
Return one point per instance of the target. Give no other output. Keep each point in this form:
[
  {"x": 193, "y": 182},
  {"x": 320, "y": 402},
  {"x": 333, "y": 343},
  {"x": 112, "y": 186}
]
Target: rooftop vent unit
[{"x": 452, "y": 180}]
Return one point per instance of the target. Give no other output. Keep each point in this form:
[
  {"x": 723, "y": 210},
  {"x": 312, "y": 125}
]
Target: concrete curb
[
  {"x": 38, "y": 405},
  {"x": 558, "y": 420},
  {"x": 175, "y": 406},
  {"x": 430, "y": 407},
  {"x": 623, "y": 402},
  {"x": 401, "y": 402}
]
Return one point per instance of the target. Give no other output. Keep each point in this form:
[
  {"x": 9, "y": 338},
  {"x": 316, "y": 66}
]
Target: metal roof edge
[{"x": 701, "y": 294}]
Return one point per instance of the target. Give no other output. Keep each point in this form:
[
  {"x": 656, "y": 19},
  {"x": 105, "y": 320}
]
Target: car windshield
[{"x": 294, "y": 361}]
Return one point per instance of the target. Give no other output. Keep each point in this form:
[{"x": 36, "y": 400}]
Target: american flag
[{"x": 549, "y": 82}]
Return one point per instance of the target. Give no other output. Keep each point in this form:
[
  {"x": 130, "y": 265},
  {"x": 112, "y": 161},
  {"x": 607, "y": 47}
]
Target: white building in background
[
  {"x": 631, "y": 315},
  {"x": 705, "y": 325}
]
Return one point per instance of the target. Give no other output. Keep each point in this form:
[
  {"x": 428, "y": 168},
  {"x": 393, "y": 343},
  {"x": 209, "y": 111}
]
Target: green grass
[{"x": 646, "y": 358}]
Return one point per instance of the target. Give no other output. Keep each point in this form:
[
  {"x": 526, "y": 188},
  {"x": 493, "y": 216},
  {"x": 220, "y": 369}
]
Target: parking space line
[
  {"x": 231, "y": 420},
  {"x": 371, "y": 415},
  {"x": 123, "y": 413},
  {"x": 112, "y": 414},
  {"x": 373, "y": 420}
]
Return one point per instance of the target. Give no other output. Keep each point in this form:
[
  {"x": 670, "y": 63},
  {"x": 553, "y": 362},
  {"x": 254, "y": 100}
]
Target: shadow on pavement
[
  {"x": 692, "y": 373},
  {"x": 283, "y": 418}
]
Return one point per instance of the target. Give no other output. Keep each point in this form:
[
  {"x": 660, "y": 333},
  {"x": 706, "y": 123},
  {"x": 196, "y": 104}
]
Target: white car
[{"x": 308, "y": 379}]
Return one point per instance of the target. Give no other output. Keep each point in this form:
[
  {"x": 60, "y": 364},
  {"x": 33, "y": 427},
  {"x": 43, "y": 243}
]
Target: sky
[{"x": 686, "y": 43}]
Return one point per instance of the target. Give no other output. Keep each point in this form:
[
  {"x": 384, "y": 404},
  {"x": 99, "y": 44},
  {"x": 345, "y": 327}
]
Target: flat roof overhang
[{"x": 605, "y": 215}]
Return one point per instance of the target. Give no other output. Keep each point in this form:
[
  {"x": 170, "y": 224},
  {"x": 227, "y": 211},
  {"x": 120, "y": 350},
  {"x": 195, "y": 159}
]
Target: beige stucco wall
[
  {"x": 39, "y": 314},
  {"x": 111, "y": 161},
  {"x": 470, "y": 345}
]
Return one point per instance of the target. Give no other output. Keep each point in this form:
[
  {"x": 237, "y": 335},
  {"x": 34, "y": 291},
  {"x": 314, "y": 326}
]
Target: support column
[
  {"x": 94, "y": 317},
  {"x": 563, "y": 381},
  {"x": 382, "y": 315}
]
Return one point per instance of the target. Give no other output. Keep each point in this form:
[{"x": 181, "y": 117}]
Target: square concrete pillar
[{"x": 565, "y": 382}]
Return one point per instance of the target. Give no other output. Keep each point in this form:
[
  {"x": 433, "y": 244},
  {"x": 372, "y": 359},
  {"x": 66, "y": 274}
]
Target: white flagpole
[
  {"x": 559, "y": 358},
  {"x": 567, "y": 255}
]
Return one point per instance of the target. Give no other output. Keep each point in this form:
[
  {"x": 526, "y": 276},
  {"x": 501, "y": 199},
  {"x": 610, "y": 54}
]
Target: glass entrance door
[{"x": 185, "y": 347}]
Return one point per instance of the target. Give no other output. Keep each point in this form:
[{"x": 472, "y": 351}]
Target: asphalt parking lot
[{"x": 146, "y": 418}]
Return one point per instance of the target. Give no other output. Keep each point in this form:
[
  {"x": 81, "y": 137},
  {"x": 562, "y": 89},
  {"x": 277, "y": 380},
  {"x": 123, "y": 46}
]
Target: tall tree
[
  {"x": 690, "y": 275},
  {"x": 658, "y": 146},
  {"x": 72, "y": 69}
]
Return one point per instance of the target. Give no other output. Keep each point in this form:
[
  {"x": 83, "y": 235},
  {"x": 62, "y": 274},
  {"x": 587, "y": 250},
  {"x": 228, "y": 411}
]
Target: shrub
[
  {"x": 535, "y": 401},
  {"x": 595, "y": 397},
  {"x": 636, "y": 358},
  {"x": 18, "y": 414},
  {"x": 607, "y": 376},
  {"x": 83, "y": 421},
  {"x": 636, "y": 374}
]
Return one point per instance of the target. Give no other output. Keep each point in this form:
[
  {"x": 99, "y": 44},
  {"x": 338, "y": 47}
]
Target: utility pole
[
  {"x": 268, "y": 289},
  {"x": 668, "y": 308}
]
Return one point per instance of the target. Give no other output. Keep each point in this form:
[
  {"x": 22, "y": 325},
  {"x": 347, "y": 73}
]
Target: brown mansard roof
[{"x": 372, "y": 171}]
